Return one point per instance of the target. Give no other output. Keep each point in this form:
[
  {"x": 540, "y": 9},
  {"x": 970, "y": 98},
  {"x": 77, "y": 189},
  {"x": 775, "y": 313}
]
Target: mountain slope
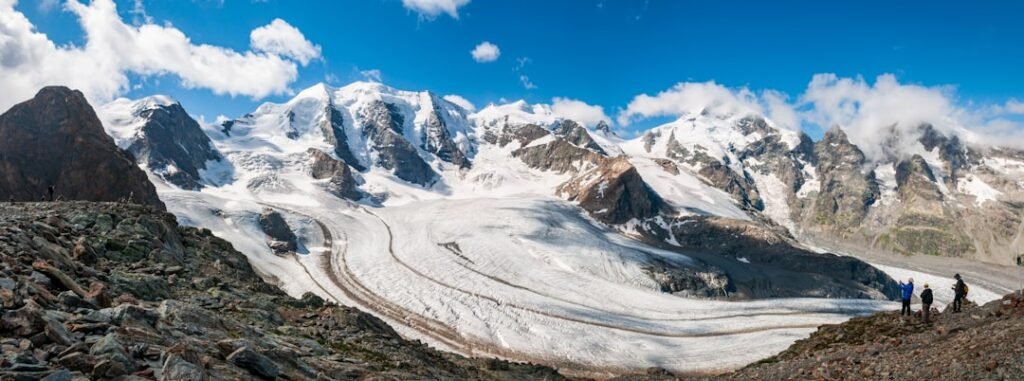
[{"x": 161, "y": 135}]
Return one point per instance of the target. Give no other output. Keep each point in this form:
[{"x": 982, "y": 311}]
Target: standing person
[
  {"x": 908, "y": 292},
  {"x": 959, "y": 292},
  {"x": 51, "y": 193},
  {"x": 926, "y": 303}
]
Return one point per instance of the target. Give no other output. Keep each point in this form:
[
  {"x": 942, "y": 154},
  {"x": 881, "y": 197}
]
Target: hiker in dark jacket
[
  {"x": 51, "y": 193},
  {"x": 926, "y": 303},
  {"x": 959, "y": 293},
  {"x": 908, "y": 292}
]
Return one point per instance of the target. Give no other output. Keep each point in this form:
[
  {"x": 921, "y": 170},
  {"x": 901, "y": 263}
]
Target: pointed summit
[{"x": 56, "y": 140}]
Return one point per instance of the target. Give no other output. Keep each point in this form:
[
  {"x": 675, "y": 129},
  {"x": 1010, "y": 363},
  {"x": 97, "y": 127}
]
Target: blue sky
[{"x": 602, "y": 52}]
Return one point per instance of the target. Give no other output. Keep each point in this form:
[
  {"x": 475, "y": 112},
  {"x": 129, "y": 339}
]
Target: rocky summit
[
  {"x": 119, "y": 291},
  {"x": 56, "y": 140}
]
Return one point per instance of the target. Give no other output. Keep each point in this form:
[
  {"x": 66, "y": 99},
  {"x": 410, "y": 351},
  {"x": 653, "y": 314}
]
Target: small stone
[
  {"x": 60, "y": 375},
  {"x": 59, "y": 334},
  {"x": 254, "y": 362}
]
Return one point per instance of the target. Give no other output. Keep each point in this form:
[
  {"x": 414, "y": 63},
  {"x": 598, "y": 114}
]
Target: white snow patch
[{"x": 981, "y": 191}]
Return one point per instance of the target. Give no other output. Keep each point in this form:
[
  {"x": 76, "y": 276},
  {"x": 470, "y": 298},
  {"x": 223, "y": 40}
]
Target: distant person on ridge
[
  {"x": 908, "y": 292},
  {"x": 51, "y": 193},
  {"x": 926, "y": 303},
  {"x": 959, "y": 293}
]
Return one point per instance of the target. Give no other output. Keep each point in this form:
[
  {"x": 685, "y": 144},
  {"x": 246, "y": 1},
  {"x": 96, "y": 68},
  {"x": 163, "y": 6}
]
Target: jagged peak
[
  {"x": 835, "y": 134},
  {"x": 137, "y": 106}
]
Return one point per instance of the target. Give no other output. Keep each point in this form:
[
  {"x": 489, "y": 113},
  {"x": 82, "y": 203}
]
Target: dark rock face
[
  {"x": 578, "y": 136},
  {"x": 559, "y": 156},
  {"x": 282, "y": 237},
  {"x": 61, "y": 318},
  {"x": 437, "y": 140},
  {"x": 333, "y": 128},
  {"x": 923, "y": 225},
  {"x": 523, "y": 134},
  {"x": 55, "y": 139},
  {"x": 342, "y": 183},
  {"x": 764, "y": 263},
  {"x": 613, "y": 192},
  {"x": 383, "y": 127},
  {"x": 914, "y": 179},
  {"x": 954, "y": 155},
  {"x": 717, "y": 172},
  {"x": 173, "y": 145},
  {"x": 847, "y": 190}
]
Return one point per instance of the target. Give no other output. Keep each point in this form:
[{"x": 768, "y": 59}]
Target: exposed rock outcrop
[
  {"x": 763, "y": 262},
  {"x": 56, "y": 139},
  {"x": 173, "y": 145},
  {"x": 613, "y": 192},
  {"x": 578, "y": 136},
  {"x": 282, "y": 238},
  {"x": 332, "y": 125},
  {"x": 342, "y": 182},
  {"x": 847, "y": 187},
  {"x": 383, "y": 126},
  {"x": 438, "y": 140}
]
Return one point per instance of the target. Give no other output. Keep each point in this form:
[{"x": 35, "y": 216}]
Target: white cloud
[
  {"x": 430, "y": 9},
  {"x": 1014, "y": 106},
  {"x": 45, "y": 6},
  {"x": 696, "y": 97},
  {"x": 372, "y": 75},
  {"x": 527, "y": 84},
  {"x": 461, "y": 102},
  {"x": 485, "y": 52},
  {"x": 870, "y": 113},
  {"x": 282, "y": 39},
  {"x": 113, "y": 49},
  {"x": 578, "y": 111}
]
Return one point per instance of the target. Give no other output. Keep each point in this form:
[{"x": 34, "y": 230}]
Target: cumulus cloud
[
  {"x": 430, "y": 9},
  {"x": 114, "y": 49},
  {"x": 881, "y": 117},
  {"x": 578, "y": 111},
  {"x": 485, "y": 52},
  {"x": 687, "y": 98},
  {"x": 1014, "y": 106},
  {"x": 285, "y": 40},
  {"x": 461, "y": 102}
]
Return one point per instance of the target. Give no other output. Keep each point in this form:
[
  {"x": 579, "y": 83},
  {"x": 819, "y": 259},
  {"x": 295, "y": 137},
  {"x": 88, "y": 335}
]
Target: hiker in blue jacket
[{"x": 908, "y": 292}]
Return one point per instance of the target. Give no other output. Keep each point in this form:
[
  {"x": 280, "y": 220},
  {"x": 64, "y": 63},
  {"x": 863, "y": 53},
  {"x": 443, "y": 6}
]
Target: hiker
[
  {"x": 51, "y": 193},
  {"x": 926, "y": 303},
  {"x": 959, "y": 293},
  {"x": 908, "y": 292}
]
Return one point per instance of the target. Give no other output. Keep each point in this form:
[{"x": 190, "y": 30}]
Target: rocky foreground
[
  {"x": 117, "y": 291},
  {"x": 981, "y": 343}
]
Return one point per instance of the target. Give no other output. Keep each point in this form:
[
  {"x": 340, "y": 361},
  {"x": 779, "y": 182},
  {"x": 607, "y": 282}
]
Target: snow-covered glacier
[{"x": 462, "y": 236}]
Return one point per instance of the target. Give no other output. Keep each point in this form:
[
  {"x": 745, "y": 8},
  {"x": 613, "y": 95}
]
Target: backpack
[{"x": 966, "y": 289}]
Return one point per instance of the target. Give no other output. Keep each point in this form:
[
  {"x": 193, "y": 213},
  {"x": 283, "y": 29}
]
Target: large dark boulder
[
  {"x": 282, "y": 238},
  {"x": 55, "y": 139}
]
